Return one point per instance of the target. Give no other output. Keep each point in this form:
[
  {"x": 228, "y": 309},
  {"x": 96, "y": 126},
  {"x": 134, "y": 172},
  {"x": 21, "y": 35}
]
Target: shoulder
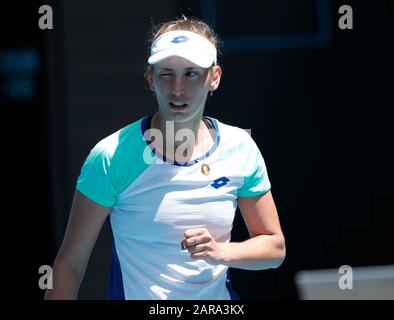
[
  {"x": 240, "y": 151},
  {"x": 234, "y": 138},
  {"x": 107, "y": 171},
  {"x": 237, "y": 147}
]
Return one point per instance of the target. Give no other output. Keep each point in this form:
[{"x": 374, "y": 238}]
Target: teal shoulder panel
[
  {"x": 244, "y": 154},
  {"x": 113, "y": 164}
]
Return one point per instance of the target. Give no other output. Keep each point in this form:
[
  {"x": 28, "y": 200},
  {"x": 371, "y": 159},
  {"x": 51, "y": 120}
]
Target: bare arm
[
  {"x": 266, "y": 247},
  {"x": 84, "y": 225},
  {"x": 264, "y": 250}
]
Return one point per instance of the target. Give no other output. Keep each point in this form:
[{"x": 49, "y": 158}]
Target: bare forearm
[
  {"x": 66, "y": 282},
  {"x": 258, "y": 253}
]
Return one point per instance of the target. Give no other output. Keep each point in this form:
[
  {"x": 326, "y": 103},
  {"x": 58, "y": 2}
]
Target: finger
[
  {"x": 193, "y": 241},
  {"x": 200, "y": 254},
  {"x": 194, "y": 232},
  {"x": 199, "y": 248},
  {"x": 197, "y": 240},
  {"x": 183, "y": 244},
  {"x": 187, "y": 243}
]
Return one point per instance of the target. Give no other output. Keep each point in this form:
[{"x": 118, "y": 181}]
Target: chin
[{"x": 181, "y": 117}]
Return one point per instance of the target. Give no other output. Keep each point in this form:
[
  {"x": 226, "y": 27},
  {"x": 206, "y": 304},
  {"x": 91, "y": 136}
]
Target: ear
[
  {"x": 216, "y": 76},
  {"x": 149, "y": 77}
]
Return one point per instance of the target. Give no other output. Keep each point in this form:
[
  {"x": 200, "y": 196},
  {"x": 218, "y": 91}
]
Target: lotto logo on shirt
[{"x": 220, "y": 182}]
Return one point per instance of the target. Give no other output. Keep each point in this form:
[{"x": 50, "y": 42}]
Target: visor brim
[{"x": 201, "y": 60}]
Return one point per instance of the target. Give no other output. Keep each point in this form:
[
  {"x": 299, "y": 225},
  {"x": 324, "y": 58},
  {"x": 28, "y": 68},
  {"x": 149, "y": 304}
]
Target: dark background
[{"x": 314, "y": 96}]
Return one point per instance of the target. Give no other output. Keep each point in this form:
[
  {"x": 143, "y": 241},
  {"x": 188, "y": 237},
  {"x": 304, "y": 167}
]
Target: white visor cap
[{"x": 185, "y": 44}]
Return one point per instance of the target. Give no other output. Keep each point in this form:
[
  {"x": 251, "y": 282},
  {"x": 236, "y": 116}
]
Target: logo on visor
[{"x": 180, "y": 39}]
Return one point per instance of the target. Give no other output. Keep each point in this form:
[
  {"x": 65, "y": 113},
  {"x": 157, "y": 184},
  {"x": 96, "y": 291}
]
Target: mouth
[{"x": 178, "y": 105}]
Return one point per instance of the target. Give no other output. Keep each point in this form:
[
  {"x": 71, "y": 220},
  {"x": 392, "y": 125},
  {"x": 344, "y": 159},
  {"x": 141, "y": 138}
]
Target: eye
[
  {"x": 191, "y": 73},
  {"x": 165, "y": 75}
]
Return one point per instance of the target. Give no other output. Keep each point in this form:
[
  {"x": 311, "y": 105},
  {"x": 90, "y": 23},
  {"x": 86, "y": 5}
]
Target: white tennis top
[{"x": 153, "y": 202}]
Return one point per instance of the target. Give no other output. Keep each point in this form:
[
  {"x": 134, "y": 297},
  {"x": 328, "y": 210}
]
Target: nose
[{"x": 178, "y": 88}]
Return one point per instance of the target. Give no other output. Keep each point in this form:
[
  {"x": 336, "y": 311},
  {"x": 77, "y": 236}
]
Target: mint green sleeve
[
  {"x": 96, "y": 180},
  {"x": 256, "y": 181}
]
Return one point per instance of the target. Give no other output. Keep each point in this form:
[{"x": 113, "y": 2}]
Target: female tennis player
[{"x": 169, "y": 185}]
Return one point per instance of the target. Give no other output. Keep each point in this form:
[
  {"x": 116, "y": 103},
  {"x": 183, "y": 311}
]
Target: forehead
[{"x": 176, "y": 63}]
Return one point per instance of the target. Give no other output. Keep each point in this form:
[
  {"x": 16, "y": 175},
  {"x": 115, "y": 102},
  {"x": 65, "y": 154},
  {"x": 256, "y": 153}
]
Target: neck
[
  {"x": 192, "y": 136},
  {"x": 170, "y": 128}
]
